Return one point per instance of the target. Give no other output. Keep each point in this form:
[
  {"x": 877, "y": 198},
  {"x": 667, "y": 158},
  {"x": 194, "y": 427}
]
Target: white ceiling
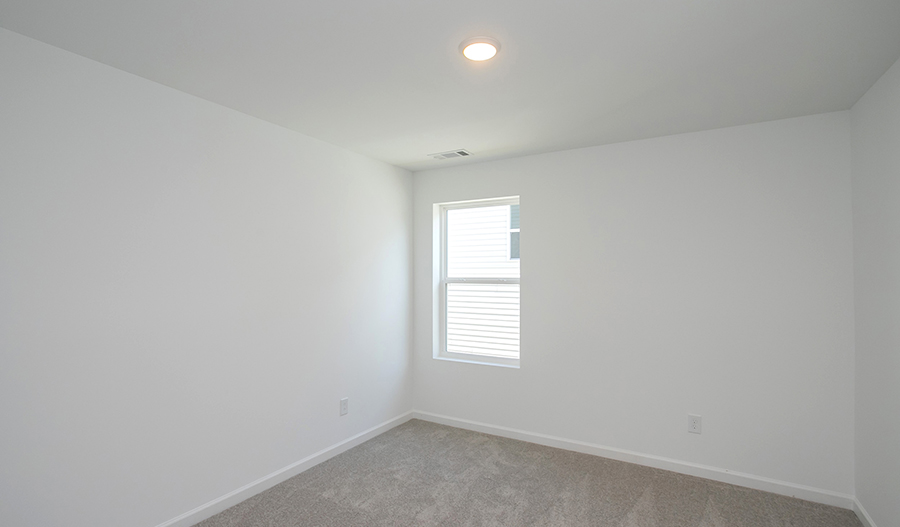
[{"x": 385, "y": 77}]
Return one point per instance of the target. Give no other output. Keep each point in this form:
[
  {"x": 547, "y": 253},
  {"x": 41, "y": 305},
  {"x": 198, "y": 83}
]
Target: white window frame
[{"x": 441, "y": 280}]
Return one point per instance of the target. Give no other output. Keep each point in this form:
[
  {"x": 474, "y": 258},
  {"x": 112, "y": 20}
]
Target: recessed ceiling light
[{"x": 479, "y": 48}]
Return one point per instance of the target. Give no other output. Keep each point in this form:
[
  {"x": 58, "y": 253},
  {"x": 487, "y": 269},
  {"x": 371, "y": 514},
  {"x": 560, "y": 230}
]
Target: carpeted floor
[{"x": 422, "y": 473}]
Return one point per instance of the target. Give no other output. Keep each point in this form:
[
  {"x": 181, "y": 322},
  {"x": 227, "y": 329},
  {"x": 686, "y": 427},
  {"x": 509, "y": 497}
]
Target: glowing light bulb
[{"x": 479, "y": 48}]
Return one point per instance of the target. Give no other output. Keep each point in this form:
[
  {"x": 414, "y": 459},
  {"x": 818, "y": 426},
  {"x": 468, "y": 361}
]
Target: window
[{"x": 478, "y": 289}]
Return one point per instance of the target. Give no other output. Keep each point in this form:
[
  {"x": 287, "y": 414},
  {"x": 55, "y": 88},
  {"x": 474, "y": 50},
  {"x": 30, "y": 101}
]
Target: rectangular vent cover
[{"x": 450, "y": 154}]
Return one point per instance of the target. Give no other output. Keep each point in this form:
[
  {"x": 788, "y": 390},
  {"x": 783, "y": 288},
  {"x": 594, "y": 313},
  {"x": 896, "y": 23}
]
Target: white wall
[
  {"x": 185, "y": 294},
  {"x": 876, "y": 235},
  {"x": 706, "y": 273}
]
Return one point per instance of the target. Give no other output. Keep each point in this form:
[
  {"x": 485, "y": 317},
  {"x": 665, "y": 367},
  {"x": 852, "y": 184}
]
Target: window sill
[{"x": 475, "y": 359}]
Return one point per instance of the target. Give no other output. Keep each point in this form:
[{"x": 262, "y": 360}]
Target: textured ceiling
[{"x": 385, "y": 78}]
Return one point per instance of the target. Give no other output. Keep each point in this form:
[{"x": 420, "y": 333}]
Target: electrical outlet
[
  {"x": 694, "y": 423},
  {"x": 345, "y": 403}
]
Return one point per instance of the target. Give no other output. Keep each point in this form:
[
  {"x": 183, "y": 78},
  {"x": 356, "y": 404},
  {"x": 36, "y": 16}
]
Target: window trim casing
[{"x": 441, "y": 280}]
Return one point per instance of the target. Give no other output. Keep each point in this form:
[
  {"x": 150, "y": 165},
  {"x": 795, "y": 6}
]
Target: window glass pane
[
  {"x": 514, "y": 244},
  {"x": 478, "y": 243},
  {"x": 514, "y": 216},
  {"x": 483, "y": 319}
]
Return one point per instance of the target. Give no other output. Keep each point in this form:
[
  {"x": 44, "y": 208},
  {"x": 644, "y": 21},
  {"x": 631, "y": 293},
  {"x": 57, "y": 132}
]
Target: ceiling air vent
[{"x": 450, "y": 154}]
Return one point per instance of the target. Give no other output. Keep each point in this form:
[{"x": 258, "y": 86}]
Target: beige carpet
[{"x": 422, "y": 473}]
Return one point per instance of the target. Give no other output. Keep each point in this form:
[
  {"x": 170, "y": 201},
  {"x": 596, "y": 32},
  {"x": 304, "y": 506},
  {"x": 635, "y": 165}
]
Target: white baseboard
[
  {"x": 826, "y": 497},
  {"x": 861, "y": 513},
  {"x": 266, "y": 482}
]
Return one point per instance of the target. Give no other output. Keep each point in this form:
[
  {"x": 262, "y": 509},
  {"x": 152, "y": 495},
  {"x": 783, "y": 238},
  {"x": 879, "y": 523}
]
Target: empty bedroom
[{"x": 399, "y": 263}]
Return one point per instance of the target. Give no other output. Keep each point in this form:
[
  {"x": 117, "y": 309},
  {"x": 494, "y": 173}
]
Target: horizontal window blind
[
  {"x": 481, "y": 289},
  {"x": 483, "y": 319}
]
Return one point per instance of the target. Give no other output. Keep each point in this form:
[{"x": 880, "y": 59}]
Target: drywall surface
[
  {"x": 706, "y": 273},
  {"x": 876, "y": 239},
  {"x": 186, "y": 293}
]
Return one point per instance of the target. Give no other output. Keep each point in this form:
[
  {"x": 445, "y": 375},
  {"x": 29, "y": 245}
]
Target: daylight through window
[{"x": 480, "y": 281}]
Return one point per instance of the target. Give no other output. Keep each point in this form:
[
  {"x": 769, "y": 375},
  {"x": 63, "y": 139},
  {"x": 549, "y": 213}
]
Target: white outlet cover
[
  {"x": 695, "y": 423},
  {"x": 345, "y": 402}
]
